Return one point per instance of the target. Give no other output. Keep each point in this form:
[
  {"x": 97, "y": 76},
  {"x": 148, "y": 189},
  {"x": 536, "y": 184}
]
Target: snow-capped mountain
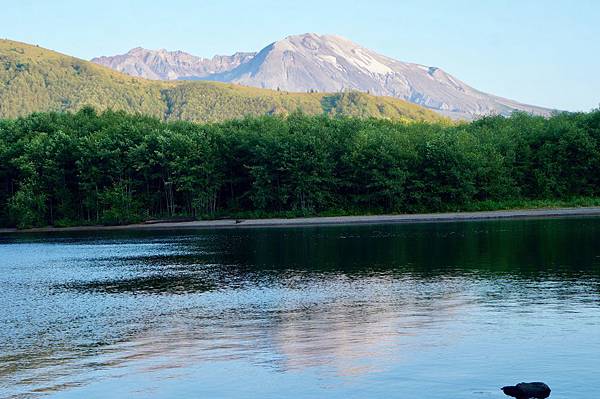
[{"x": 324, "y": 63}]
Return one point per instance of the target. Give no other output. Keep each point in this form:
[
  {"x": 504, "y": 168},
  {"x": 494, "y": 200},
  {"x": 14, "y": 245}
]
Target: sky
[{"x": 541, "y": 52}]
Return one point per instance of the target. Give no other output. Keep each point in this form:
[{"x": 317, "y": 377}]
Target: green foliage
[
  {"x": 33, "y": 79},
  {"x": 114, "y": 168},
  {"x": 27, "y": 206},
  {"x": 119, "y": 205}
]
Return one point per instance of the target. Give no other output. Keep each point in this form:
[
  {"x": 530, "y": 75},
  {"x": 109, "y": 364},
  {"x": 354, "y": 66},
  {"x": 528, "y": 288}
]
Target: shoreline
[{"x": 330, "y": 220}]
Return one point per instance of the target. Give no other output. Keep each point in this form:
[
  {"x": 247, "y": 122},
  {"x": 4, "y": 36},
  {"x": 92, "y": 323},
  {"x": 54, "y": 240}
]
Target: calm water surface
[{"x": 450, "y": 310}]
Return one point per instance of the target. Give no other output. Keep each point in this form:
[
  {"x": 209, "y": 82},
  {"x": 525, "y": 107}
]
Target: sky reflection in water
[{"x": 457, "y": 309}]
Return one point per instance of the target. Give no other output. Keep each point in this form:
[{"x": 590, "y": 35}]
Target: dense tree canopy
[{"x": 86, "y": 168}]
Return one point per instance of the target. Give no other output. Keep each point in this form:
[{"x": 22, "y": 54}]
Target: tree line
[{"x": 112, "y": 168}]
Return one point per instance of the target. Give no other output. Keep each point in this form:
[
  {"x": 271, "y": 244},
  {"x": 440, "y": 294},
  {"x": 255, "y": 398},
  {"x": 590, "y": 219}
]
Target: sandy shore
[{"x": 336, "y": 220}]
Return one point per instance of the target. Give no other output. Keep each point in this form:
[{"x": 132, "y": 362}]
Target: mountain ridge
[
  {"x": 170, "y": 65},
  {"x": 332, "y": 63},
  {"x": 34, "y": 79}
]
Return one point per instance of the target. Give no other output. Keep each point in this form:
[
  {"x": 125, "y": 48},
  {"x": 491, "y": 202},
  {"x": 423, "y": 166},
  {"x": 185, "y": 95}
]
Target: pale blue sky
[{"x": 544, "y": 52}]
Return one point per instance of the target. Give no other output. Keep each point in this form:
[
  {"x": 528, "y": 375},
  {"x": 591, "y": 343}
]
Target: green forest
[{"x": 111, "y": 167}]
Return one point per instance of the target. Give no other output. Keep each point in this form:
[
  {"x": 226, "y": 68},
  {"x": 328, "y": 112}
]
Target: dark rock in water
[{"x": 528, "y": 390}]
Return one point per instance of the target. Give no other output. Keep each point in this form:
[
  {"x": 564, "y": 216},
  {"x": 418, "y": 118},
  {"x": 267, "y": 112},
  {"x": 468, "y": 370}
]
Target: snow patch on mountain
[{"x": 324, "y": 63}]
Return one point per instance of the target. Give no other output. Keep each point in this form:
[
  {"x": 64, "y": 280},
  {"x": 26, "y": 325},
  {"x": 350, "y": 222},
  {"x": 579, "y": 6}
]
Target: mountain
[
  {"x": 171, "y": 65},
  {"x": 327, "y": 63},
  {"x": 35, "y": 79}
]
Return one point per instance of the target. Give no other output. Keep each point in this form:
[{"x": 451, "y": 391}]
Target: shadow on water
[{"x": 172, "y": 284}]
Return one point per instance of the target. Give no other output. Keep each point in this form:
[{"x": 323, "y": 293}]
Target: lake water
[{"x": 447, "y": 310}]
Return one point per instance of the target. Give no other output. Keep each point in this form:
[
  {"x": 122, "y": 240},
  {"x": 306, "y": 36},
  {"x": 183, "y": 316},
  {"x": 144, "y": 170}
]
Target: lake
[{"x": 438, "y": 310}]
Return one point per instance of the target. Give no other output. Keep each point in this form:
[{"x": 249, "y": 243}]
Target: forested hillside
[
  {"x": 88, "y": 168},
  {"x": 33, "y": 79}
]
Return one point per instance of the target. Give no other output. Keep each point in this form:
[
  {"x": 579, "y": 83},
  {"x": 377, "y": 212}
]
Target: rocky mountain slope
[
  {"x": 34, "y": 79},
  {"x": 327, "y": 63},
  {"x": 171, "y": 65}
]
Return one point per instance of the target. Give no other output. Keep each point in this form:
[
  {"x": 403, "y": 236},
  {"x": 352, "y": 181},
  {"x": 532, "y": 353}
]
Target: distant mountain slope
[
  {"x": 171, "y": 65},
  {"x": 35, "y": 79},
  {"x": 328, "y": 63}
]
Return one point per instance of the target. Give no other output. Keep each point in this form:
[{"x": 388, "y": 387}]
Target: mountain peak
[
  {"x": 314, "y": 41},
  {"x": 324, "y": 63},
  {"x": 302, "y": 36},
  {"x": 317, "y": 37},
  {"x": 138, "y": 50}
]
